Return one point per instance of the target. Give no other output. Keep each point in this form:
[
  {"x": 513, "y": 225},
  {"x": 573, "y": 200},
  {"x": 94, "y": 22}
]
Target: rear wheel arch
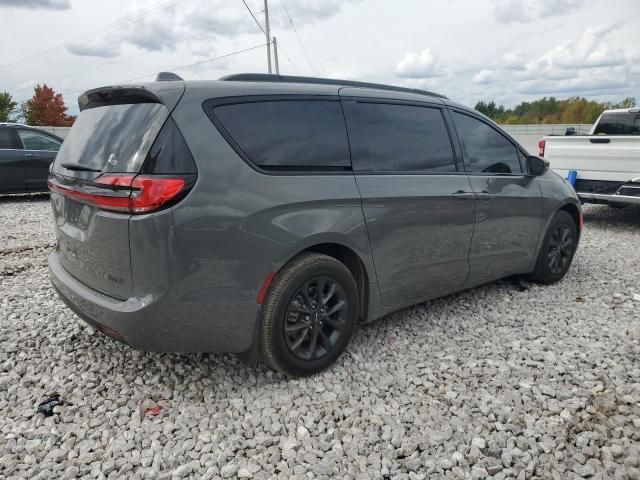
[{"x": 354, "y": 264}]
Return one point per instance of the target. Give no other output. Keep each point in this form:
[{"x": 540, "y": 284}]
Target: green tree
[
  {"x": 550, "y": 110},
  {"x": 7, "y": 107}
]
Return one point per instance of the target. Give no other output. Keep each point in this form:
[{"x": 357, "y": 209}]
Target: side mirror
[{"x": 536, "y": 166}]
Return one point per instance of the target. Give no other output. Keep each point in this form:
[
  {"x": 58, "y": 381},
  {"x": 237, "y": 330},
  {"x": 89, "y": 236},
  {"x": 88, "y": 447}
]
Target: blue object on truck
[{"x": 571, "y": 177}]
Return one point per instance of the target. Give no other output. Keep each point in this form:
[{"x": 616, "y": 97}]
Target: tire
[
  {"x": 548, "y": 271},
  {"x": 286, "y": 306}
]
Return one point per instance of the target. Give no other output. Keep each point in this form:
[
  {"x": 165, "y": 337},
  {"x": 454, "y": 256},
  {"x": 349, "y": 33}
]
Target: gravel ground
[{"x": 504, "y": 381}]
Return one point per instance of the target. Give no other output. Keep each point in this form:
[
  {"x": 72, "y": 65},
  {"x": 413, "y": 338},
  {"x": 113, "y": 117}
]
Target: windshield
[{"x": 112, "y": 138}]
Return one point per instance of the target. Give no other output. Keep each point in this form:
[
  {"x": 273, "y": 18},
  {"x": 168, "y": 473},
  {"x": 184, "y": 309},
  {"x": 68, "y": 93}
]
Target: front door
[
  {"x": 508, "y": 212},
  {"x": 39, "y": 150},
  {"x": 11, "y": 162},
  {"x": 417, "y": 205}
]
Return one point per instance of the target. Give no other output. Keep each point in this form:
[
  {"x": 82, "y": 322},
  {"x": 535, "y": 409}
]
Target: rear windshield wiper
[{"x": 79, "y": 168}]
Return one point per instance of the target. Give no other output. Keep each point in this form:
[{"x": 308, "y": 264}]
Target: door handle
[
  {"x": 485, "y": 196},
  {"x": 460, "y": 195},
  {"x": 31, "y": 155}
]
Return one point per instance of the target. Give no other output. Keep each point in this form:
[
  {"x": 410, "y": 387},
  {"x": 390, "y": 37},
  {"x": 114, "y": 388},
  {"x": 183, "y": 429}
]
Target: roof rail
[{"x": 267, "y": 77}]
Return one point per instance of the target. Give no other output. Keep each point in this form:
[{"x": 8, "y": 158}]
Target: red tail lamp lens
[
  {"x": 124, "y": 192},
  {"x": 541, "y": 145}
]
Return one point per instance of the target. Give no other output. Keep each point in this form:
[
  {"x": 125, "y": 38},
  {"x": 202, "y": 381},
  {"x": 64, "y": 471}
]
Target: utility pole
[
  {"x": 267, "y": 34},
  {"x": 275, "y": 55}
]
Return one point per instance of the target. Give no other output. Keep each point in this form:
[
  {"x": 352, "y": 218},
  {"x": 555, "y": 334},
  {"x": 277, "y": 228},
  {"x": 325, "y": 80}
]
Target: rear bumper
[
  {"x": 609, "y": 198},
  {"x": 162, "y": 323}
]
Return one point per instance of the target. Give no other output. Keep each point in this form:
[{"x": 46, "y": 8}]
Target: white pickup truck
[{"x": 606, "y": 162}]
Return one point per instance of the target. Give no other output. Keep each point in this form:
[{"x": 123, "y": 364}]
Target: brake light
[
  {"x": 129, "y": 193},
  {"x": 541, "y": 145},
  {"x": 150, "y": 193}
]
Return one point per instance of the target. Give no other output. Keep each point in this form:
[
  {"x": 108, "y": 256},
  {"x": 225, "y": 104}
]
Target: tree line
[
  {"x": 550, "y": 110},
  {"x": 44, "y": 108}
]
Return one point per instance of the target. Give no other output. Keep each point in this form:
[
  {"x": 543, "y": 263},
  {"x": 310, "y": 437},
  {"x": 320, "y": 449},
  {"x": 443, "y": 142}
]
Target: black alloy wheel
[
  {"x": 560, "y": 250},
  {"x": 315, "y": 318}
]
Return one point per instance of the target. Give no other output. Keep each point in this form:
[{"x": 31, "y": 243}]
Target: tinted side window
[
  {"x": 288, "y": 133},
  {"x": 484, "y": 149},
  {"x": 37, "y": 141},
  {"x": 6, "y": 140},
  {"x": 398, "y": 138},
  {"x": 618, "y": 124}
]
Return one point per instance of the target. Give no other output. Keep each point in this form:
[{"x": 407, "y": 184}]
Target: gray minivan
[{"x": 266, "y": 215}]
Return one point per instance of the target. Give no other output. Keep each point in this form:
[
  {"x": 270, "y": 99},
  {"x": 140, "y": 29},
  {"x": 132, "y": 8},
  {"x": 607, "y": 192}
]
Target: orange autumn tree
[{"x": 46, "y": 108}]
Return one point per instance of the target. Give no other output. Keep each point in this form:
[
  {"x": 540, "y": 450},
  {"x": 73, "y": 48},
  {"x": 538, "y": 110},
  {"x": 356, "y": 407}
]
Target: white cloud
[
  {"x": 592, "y": 49},
  {"x": 483, "y": 77},
  {"x": 88, "y": 50},
  {"x": 550, "y": 8},
  {"x": 511, "y": 11},
  {"x": 512, "y": 61},
  {"x": 526, "y": 11},
  {"x": 420, "y": 65},
  {"x": 589, "y": 64},
  {"x": 37, "y": 4}
]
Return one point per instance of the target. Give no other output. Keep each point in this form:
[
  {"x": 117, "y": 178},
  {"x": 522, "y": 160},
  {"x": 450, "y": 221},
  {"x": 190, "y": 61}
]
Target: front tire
[
  {"x": 309, "y": 315},
  {"x": 557, "y": 251}
]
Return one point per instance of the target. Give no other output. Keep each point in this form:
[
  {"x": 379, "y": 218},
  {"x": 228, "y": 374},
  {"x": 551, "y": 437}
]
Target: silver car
[{"x": 266, "y": 215}]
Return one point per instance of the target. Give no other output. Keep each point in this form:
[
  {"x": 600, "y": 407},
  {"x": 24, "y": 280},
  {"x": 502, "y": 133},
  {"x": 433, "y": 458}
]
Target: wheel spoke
[
  {"x": 324, "y": 340},
  {"x": 313, "y": 342},
  {"x": 305, "y": 295},
  {"x": 295, "y": 345},
  {"x": 320, "y": 284},
  {"x": 298, "y": 307},
  {"x": 294, "y": 327},
  {"x": 336, "y": 323},
  {"x": 330, "y": 293},
  {"x": 336, "y": 308}
]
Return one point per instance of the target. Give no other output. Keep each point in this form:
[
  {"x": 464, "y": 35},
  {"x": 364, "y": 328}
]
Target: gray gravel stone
[{"x": 494, "y": 381}]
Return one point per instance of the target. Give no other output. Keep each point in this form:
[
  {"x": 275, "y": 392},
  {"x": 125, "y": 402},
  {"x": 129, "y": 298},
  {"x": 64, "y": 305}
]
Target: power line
[
  {"x": 100, "y": 32},
  {"x": 181, "y": 66},
  {"x": 297, "y": 35},
  {"x": 263, "y": 31},
  {"x": 254, "y": 17}
]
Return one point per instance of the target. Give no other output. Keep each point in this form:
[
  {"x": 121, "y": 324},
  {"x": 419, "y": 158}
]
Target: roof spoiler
[{"x": 100, "y": 97}]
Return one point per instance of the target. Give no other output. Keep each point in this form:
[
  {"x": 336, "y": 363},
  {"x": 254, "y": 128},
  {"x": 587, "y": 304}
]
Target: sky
[{"x": 508, "y": 51}]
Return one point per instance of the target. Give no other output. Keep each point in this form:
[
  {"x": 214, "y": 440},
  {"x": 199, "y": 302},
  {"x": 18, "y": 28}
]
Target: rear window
[
  {"x": 288, "y": 134},
  {"x": 618, "y": 124},
  {"x": 113, "y": 138},
  {"x": 398, "y": 138}
]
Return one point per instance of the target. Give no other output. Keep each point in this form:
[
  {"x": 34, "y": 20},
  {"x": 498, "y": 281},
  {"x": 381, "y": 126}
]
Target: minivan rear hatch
[{"x": 91, "y": 180}]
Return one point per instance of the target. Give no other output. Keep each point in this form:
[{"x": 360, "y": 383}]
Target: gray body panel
[
  {"x": 11, "y": 171},
  {"x": 197, "y": 267}
]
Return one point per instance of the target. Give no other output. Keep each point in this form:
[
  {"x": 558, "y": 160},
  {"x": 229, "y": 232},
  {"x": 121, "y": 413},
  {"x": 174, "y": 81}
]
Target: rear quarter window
[{"x": 287, "y": 134}]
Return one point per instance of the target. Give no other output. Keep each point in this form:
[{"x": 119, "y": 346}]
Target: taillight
[
  {"x": 129, "y": 193},
  {"x": 541, "y": 145}
]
